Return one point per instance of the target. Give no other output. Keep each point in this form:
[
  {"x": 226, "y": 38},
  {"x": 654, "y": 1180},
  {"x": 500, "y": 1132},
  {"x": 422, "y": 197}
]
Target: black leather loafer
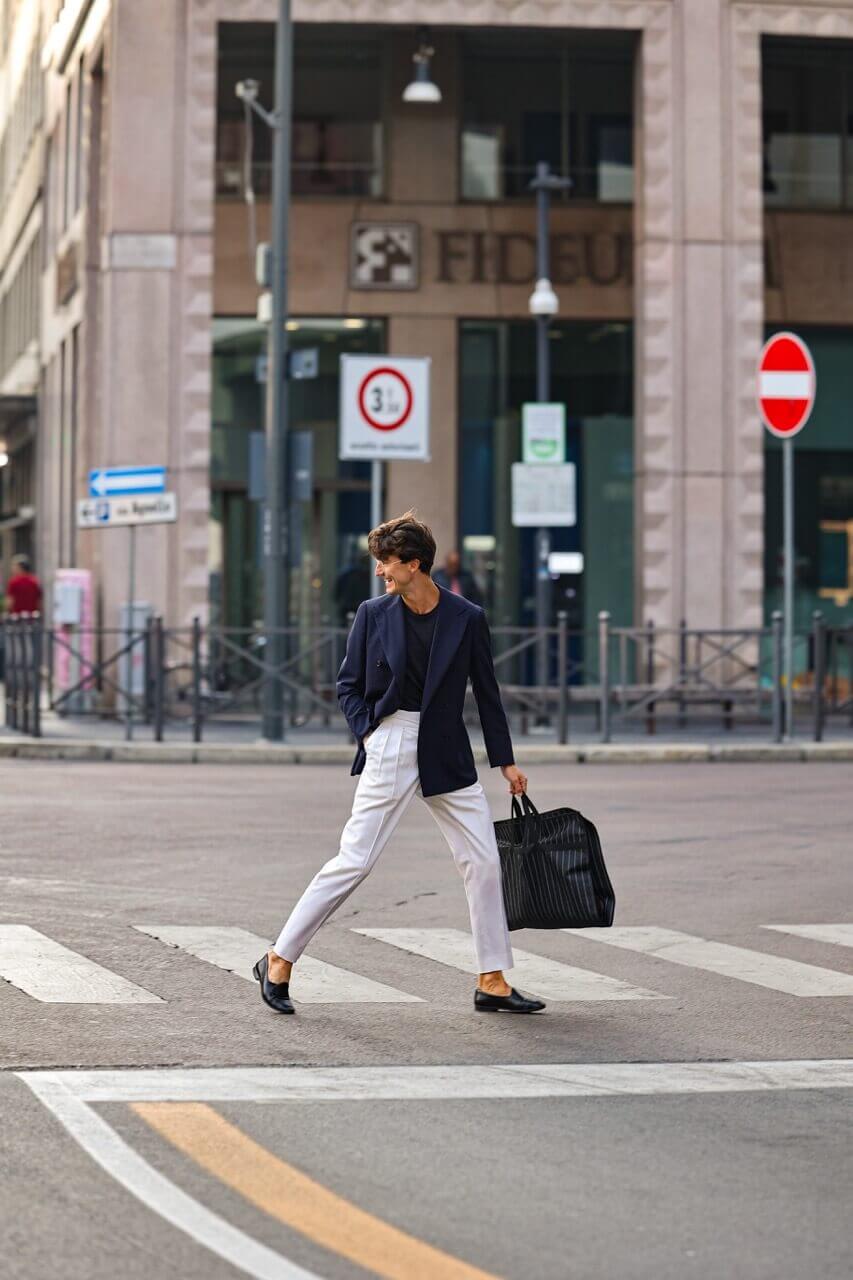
[
  {"x": 515, "y": 1002},
  {"x": 275, "y": 994}
]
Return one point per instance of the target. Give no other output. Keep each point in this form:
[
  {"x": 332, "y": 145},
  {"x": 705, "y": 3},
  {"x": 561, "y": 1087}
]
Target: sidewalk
[{"x": 238, "y": 742}]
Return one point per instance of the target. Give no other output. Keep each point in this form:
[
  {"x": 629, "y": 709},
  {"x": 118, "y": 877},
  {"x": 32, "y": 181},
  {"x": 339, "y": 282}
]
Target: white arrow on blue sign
[{"x": 113, "y": 482}]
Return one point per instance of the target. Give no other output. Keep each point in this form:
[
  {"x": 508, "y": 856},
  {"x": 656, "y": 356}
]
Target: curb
[{"x": 269, "y": 753}]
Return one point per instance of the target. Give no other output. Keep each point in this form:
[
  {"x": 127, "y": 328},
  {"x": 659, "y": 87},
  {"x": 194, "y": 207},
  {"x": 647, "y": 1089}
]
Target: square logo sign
[{"x": 384, "y": 255}]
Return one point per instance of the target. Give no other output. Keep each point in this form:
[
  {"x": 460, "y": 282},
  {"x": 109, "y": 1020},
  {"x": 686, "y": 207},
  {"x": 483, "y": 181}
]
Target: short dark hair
[
  {"x": 406, "y": 537},
  {"x": 23, "y": 563}
]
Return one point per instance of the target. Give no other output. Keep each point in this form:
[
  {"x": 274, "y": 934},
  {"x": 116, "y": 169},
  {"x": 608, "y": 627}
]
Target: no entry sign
[
  {"x": 786, "y": 385},
  {"x": 384, "y": 410}
]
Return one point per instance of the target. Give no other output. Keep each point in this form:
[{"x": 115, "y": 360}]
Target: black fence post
[
  {"x": 148, "y": 669},
  {"x": 776, "y": 676},
  {"x": 26, "y": 673},
  {"x": 197, "y": 719},
  {"x": 651, "y": 724},
  {"x": 158, "y": 656},
  {"x": 682, "y": 671},
  {"x": 12, "y": 675},
  {"x": 36, "y": 646},
  {"x": 562, "y": 677},
  {"x": 604, "y": 672},
  {"x": 819, "y": 644}
]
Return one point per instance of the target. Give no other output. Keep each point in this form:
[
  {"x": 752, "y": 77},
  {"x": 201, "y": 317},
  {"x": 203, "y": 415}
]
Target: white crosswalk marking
[
  {"x": 840, "y": 935},
  {"x": 757, "y": 967},
  {"x": 236, "y": 950},
  {"x": 53, "y": 974},
  {"x": 542, "y": 977}
]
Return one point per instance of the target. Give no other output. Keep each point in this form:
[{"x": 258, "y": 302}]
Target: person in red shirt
[{"x": 23, "y": 590}]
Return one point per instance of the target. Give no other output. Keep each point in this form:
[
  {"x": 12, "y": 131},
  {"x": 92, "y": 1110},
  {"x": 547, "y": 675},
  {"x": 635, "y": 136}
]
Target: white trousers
[{"x": 385, "y": 789}]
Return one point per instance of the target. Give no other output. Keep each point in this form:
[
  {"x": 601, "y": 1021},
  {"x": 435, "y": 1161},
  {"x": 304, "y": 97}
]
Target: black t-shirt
[{"x": 420, "y": 628}]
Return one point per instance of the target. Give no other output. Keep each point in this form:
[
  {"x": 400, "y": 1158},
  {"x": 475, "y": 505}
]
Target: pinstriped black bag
[{"x": 552, "y": 870}]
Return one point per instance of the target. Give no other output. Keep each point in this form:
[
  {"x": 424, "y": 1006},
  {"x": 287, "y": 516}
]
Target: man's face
[{"x": 397, "y": 575}]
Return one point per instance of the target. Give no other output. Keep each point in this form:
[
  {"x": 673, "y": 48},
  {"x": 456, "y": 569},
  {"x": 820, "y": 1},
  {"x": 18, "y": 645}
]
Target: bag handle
[
  {"x": 527, "y": 818},
  {"x": 529, "y": 806}
]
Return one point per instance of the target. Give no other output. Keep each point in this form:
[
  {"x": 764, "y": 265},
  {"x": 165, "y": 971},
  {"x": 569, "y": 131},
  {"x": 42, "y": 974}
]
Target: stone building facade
[{"x": 146, "y": 267}]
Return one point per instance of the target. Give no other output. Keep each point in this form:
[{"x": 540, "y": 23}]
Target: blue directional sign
[{"x": 114, "y": 482}]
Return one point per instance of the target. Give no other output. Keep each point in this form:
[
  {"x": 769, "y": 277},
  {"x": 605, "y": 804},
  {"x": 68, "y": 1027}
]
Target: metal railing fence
[{"x": 633, "y": 679}]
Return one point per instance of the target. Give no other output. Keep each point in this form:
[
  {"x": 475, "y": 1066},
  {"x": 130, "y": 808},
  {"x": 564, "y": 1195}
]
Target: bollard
[
  {"x": 819, "y": 644},
  {"x": 604, "y": 672},
  {"x": 776, "y": 660},
  {"x": 562, "y": 678},
  {"x": 197, "y": 716}
]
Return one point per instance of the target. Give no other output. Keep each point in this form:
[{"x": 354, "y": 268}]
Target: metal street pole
[
  {"x": 377, "y": 585},
  {"x": 275, "y": 524},
  {"x": 788, "y": 509},
  {"x": 543, "y": 184}
]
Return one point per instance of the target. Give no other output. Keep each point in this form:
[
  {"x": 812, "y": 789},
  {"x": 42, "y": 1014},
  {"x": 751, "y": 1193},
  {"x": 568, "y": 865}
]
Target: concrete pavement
[{"x": 112, "y": 861}]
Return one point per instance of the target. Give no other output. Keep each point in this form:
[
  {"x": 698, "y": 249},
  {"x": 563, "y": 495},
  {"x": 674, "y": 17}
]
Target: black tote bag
[{"x": 552, "y": 870}]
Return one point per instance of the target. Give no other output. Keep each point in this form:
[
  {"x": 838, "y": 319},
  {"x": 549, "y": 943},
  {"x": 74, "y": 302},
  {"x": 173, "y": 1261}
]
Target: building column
[
  {"x": 699, "y": 314},
  {"x": 431, "y": 487}
]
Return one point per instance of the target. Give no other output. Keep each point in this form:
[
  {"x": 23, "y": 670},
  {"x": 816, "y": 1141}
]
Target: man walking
[{"x": 402, "y": 688}]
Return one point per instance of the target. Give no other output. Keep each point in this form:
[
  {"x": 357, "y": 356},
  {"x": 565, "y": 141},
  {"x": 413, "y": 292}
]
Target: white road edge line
[
  {"x": 158, "y": 1193},
  {"x": 426, "y": 1083}
]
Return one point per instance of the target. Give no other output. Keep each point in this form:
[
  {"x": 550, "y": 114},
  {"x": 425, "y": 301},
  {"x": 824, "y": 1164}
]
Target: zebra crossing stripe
[
  {"x": 51, "y": 973},
  {"x": 775, "y": 972},
  {"x": 546, "y": 978},
  {"x": 840, "y": 935},
  {"x": 236, "y": 951}
]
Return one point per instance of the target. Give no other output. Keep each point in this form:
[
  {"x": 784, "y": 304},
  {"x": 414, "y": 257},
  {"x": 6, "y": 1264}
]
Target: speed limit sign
[{"x": 384, "y": 411}]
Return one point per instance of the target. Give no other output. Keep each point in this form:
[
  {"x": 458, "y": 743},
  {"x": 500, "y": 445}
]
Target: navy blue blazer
[{"x": 370, "y": 683}]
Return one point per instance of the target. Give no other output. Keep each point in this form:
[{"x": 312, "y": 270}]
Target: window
[
  {"x": 808, "y": 124},
  {"x": 592, "y": 374},
  {"x": 337, "y": 140},
  {"x": 329, "y": 568},
  {"x": 566, "y": 100}
]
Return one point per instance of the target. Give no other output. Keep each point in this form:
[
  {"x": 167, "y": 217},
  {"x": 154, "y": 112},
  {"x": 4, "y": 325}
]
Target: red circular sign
[
  {"x": 390, "y": 398},
  {"x": 786, "y": 384}
]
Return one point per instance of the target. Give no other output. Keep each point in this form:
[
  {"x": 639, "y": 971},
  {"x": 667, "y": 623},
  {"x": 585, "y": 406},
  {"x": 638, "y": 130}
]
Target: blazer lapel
[
  {"x": 449, "y": 625},
  {"x": 392, "y": 633}
]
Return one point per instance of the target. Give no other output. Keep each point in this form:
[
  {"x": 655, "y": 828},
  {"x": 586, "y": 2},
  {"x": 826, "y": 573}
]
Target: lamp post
[
  {"x": 543, "y": 305},
  {"x": 275, "y": 515}
]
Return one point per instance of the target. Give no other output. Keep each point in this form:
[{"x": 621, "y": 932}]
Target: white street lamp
[
  {"x": 422, "y": 88},
  {"x": 543, "y": 300}
]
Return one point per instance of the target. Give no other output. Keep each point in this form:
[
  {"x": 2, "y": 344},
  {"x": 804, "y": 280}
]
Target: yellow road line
[{"x": 298, "y": 1201}]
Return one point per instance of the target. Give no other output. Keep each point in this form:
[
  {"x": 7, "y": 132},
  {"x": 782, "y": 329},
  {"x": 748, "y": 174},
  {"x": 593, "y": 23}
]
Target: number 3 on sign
[{"x": 385, "y": 399}]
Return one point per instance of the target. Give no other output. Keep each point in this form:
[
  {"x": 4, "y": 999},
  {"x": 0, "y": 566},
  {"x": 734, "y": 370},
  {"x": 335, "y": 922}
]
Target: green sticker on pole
[{"x": 543, "y": 432}]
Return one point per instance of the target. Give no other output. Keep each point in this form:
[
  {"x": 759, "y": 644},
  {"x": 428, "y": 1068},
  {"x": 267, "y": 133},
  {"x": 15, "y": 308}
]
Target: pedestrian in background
[
  {"x": 401, "y": 686},
  {"x": 458, "y": 580},
  {"x": 23, "y": 590}
]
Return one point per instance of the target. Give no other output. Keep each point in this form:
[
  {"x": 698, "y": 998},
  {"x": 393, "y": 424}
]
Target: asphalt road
[{"x": 464, "y": 1173}]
